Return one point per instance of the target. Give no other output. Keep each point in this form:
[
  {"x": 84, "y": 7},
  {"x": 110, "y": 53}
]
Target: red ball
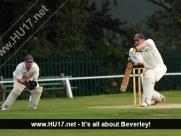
[{"x": 114, "y": 84}]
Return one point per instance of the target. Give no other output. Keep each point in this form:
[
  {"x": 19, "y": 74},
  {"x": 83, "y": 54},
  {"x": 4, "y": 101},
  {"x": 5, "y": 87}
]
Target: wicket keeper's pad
[{"x": 127, "y": 74}]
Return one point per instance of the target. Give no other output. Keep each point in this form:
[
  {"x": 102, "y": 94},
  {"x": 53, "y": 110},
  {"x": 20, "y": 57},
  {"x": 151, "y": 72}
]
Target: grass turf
[{"x": 78, "y": 108}]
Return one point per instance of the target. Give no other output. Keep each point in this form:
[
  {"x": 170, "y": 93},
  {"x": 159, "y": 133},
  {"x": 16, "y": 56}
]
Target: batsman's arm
[
  {"x": 140, "y": 62},
  {"x": 142, "y": 45}
]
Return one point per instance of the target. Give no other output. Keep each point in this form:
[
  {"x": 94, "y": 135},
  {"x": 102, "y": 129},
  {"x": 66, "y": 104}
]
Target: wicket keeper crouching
[
  {"x": 25, "y": 76},
  {"x": 154, "y": 68}
]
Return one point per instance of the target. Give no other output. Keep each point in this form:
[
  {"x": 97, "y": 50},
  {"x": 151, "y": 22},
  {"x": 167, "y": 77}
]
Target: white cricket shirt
[
  {"x": 151, "y": 55},
  {"x": 22, "y": 72}
]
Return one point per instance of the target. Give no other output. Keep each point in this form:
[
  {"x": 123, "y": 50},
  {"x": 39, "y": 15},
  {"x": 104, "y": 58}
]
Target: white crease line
[
  {"x": 34, "y": 32},
  {"x": 18, "y": 19}
]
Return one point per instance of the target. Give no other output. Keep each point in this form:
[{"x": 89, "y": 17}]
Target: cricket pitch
[{"x": 159, "y": 105}]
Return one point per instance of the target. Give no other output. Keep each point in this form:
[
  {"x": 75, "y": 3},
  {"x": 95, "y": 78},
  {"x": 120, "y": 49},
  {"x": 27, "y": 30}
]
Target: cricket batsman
[
  {"x": 147, "y": 54},
  {"x": 25, "y": 76}
]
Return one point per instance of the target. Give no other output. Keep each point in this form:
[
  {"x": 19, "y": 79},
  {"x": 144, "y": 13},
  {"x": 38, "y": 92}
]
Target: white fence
[{"x": 84, "y": 78}]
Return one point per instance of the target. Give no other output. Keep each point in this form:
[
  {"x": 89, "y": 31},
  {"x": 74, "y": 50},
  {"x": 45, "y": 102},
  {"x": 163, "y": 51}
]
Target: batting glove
[
  {"x": 133, "y": 60},
  {"x": 132, "y": 52}
]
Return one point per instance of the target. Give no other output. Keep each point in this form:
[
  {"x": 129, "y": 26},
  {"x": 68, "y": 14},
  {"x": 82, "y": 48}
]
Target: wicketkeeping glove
[
  {"x": 27, "y": 84},
  {"x": 33, "y": 84},
  {"x": 30, "y": 84}
]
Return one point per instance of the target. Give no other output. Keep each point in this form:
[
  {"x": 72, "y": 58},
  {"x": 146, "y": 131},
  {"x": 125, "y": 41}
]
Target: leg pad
[{"x": 35, "y": 97}]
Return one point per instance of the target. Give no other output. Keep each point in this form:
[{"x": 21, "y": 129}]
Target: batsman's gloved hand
[
  {"x": 132, "y": 51},
  {"x": 133, "y": 60},
  {"x": 30, "y": 84}
]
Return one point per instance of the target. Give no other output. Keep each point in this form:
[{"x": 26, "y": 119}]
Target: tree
[
  {"x": 165, "y": 24},
  {"x": 77, "y": 27},
  {"x": 61, "y": 34},
  {"x": 127, "y": 41},
  {"x": 100, "y": 23}
]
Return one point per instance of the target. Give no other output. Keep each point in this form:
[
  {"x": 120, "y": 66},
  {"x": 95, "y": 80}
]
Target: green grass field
[{"x": 79, "y": 108}]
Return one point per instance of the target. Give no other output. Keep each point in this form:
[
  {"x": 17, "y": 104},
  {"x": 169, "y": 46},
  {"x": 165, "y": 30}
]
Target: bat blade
[{"x": 126, "y": 78}]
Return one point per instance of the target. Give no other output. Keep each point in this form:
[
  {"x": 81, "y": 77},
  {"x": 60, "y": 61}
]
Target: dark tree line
[{"x": 79, "y": 27}]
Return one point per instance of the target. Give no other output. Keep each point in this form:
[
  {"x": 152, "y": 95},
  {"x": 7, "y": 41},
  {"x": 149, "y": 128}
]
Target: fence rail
[{"x": 84, "y": 78}]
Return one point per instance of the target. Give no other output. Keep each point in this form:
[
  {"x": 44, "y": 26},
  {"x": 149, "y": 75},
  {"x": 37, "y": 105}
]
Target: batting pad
[
  {"x": 35, "y": 97},
  {"x": 158, "y": 97},
  {"x": 148, "y": 86},
  {"x": 10, "y": 99}
]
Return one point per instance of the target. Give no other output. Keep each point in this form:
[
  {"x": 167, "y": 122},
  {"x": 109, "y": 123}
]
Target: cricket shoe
[
  {"x": 153, "y": 102},
  {"x": 31, "y": 107},
  {"x": 145, "y": 104},
  {"x": 2, "y": 108}
]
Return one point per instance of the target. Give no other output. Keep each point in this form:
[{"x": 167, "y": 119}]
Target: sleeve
[
  {"x": 151, "y": 44},
  {"x": 36, "y": 72},
  {"x": 18, "y": 72}
]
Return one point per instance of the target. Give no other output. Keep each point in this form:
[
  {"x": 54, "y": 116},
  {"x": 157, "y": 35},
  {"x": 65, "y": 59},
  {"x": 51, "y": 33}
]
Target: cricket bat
[{"x": 126, "y": 78}]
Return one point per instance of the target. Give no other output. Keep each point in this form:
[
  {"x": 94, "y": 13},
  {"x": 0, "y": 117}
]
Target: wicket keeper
[{"x": 25, "y": 75}]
